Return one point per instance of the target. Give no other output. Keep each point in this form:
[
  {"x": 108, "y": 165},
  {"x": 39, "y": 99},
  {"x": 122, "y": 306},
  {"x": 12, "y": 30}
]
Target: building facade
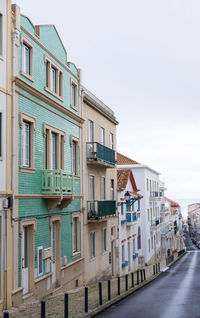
[
  {"x": 129, "y": 223},
  {"x": 5, "y": 155},
  {"x": 148, "y": 182},
  {"x": 47, "y": 229},
  {"x": 99, "y": 190}
]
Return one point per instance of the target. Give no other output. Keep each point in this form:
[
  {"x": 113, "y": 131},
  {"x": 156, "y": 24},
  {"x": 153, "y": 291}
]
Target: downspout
[{"x": 5, "y": 257}]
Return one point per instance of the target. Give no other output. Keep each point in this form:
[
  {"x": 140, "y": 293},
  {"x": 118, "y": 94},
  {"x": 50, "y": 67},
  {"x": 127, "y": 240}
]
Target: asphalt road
[{"x": 176, "y": 293}]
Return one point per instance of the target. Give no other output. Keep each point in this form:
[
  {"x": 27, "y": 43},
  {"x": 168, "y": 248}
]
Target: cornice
[{"x": 38, "y": 94}]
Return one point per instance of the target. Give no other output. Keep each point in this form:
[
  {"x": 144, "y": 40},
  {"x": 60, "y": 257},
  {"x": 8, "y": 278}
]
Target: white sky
[{"x": 142, "y": 59}]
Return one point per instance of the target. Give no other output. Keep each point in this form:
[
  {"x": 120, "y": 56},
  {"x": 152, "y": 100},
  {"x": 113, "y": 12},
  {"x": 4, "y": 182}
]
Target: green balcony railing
[
  {"x": 57, "y": 182},
  {"x": 100, "y": 153},
  {"x": 99, "y": 209}
]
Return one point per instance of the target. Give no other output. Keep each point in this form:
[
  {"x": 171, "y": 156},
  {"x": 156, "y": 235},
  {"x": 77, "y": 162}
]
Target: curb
[{"x": 117, "y": 299}]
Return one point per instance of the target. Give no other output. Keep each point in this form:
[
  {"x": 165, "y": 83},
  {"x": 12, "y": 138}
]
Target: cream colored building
[{"x": 99, "y": 189}]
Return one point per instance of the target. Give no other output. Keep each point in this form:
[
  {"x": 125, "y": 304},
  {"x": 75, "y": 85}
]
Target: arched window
[{"x": 139, "y": 238}]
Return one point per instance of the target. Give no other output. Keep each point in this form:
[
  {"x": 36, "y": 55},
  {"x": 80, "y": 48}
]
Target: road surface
[{"x": 176, "y": 293}]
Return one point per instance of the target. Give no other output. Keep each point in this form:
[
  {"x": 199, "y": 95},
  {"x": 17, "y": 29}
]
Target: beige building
[{"x": 99, "y": 189}]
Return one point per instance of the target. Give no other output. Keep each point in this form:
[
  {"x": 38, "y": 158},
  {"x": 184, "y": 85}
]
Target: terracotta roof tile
[
  {"x": 122, "y": 178},
  {"x": 173, "y": 203},
  {"x": 123, "y": 160}
]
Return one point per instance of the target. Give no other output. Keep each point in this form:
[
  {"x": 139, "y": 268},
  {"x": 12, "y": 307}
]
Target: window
[
  {"x": 123, "y": 254},
  {"x": 27, "y": 58},
  {"x": 1, "y": 34},
  {"x": 53, "y": 78},
  {"x": 133, "y": 246},
  {"x": 111, "y": 141},
  {"x": 152, "y": 242},
  {"x": 1, "y": 134},
  {"x": 102, "y": 136},
  {"x": 75, "y": 152},
  {"x": 74, "y": 99},
  {"x": 75, "y": 234},
  {"x": 103, "y": 189},
  {"x": 28, "y": 126},
  {"x": 148, "y": 215},
  {"x": 104, "y": 240},
  {"x": 147, "y": 184},
  {"x": 54, "y": 147},
  {"x": 149, "y": 245},
  {"x": 91, "y": 188},
  {"x": 91, "y": 131},
  {"x": 112, "y": 193},
  {"x": 40, "y": 260},
  {"x": 92, "y": 244}
]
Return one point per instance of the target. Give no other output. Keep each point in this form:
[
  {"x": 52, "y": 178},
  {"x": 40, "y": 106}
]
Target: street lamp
[{"x": 127, "y": 196}]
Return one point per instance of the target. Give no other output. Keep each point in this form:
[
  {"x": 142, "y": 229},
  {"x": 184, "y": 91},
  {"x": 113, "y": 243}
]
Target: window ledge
[
  {"x": 74, "y": 107},
  {"x": 28, "y": 170},
  {"x": 30, "y": 77},
  {"x": 76, "y": 254},
  {"x": 54, "y": 94}
]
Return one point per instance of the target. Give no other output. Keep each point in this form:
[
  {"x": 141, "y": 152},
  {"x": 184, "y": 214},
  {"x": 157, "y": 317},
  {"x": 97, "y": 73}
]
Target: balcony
[
  {"x": 100, "y": 155},
  {"x": 57, "y": 187},
  {"x": 100, "y": 209},
  {"x": 135, "y": 255},
  {"x": 155, "y": 196},
  {"x": 155, "y": 224}
]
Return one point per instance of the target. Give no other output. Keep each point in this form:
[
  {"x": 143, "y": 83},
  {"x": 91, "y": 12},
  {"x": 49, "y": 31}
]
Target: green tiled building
[{"x": 47, "y": 220}]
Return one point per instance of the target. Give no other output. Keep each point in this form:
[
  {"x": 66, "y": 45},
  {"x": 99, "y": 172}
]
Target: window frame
[
  {"x": 40, "y": 248},
  {"x": 74, "y": 84},
  {"x": 32, "y": 122},
  {"x": 123, "y": 253},
  {"x": 60, "y": 144},
  {"x": 75, "y": 252},
  {"x": 102, "y": 136},
  {"x": 103, "y": 187},
  {"x": 104, "y": 240},
  {"x": 76, "y": 141},
  {"x": 112, "y": 141},
  {"x": 30, "y": 45},
  {"x": 59, "y": 76},
  {"x": 92, "y": 246},
  {"x": 112, "y": 189}
]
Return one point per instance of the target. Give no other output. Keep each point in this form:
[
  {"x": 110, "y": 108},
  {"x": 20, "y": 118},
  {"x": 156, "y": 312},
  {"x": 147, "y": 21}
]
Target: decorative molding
[{"x": 28, "y": 222}]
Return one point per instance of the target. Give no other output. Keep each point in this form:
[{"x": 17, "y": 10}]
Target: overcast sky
[{"x": 142, "y": 59}]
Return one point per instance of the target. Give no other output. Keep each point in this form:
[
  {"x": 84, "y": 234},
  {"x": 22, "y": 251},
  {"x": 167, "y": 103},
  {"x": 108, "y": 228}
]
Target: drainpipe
[{"x": 5, "y": 257}]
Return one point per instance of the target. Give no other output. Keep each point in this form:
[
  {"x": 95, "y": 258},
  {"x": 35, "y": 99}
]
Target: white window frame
[
  {"x": 29, "y": 44},
  {"x": 90, "y": 125},
  {"x": 40, "y": 248},
  {"x": 102, "y": 136},
  {"x": 112, "y": 141},
  {"x": 104, "y": 240},
  {"x": 92, "y": 245}
]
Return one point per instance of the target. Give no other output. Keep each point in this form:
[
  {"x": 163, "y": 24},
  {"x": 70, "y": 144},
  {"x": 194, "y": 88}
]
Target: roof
[
  {"x": 123, "y": 160},
  {"x": 122, "y": 178},
  {"x": 173, "y": 203}
]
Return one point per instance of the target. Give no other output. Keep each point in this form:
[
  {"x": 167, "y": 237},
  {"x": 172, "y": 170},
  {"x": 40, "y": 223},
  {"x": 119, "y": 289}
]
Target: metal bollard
[
  {"x": 66, "y": 313},
  {"x": 86, "y": 299},
  {"x": 138, "y": 278},
  {"x": 156, "y": 268},
  {"x": 42, "y": 309},
  {"x": 141, "y": 274},
  {"x": 144, "y": 272},
  {"x": 132, "y": 280},
  {"x": 100, "y": 294},
  {"x": 109, "y": 290},
  {"x": 118, "y": 285},
  {"x": 126, "y": 282},
  {"x": 6, "y": 314}
]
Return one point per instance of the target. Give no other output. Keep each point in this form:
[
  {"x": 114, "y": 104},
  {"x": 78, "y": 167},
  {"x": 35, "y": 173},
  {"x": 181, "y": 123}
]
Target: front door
[
  {"x": 53, "y": 244},
  {"x": 25, "y": 260},
  {"x": 129, "y": 257}
]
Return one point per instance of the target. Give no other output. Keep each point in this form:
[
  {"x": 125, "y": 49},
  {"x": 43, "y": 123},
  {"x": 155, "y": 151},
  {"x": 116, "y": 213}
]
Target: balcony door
[
  {"x": 91, "y": 131},
  {"x": 25, "y": 260},
  {"x": 129, "y": 256},
  {"x": 54, "y": 151},
  {"x": 103, "y": 188},
  {"x": 53, "y": 244},
  {"x": 91, "y": 194},
  {"x": 102, "y": 136}
]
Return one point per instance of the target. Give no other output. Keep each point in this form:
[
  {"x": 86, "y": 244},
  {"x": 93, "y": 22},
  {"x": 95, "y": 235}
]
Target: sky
[{"x": 142, "y": 59}]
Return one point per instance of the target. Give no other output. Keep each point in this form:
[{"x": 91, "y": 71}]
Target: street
[{"x": 174, "y": 294}]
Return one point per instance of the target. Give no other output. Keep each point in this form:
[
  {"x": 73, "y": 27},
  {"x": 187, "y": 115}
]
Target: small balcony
[
  {"x": 100, "y": 155},
  {"x": 155, "y": 196},
  {"x": 100, "y": 209},
  {"x": 131, "y": 218},
  {"x": 135, "y": 255},
  {"x": 57, "y": 187},
  {"x": 154, "y": 224}
]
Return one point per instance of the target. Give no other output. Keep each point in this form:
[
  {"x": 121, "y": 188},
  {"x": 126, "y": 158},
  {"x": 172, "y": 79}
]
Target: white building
[
  {"x": 129, "y": 223},
  {"x": 147, "y": 180}
]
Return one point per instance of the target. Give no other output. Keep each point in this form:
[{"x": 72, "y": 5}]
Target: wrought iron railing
[
  {"x": 100, "y": 153},
  {"x": 98, "y": 209}
]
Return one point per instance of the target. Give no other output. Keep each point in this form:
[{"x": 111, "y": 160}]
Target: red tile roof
[
  {"x": 173, "y": 203},
  {"x": 123, "y": 160},
  {"x": 122, "y": 178}
]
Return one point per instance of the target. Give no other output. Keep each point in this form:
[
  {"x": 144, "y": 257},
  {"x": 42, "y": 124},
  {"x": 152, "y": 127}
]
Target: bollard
[
  {"x": 118, "y": 285},
  {"x": 42, "y": 309},
  {"x": 6, "y": 314},
  {"x": 144, "y": 272},
  {"x": 141, "y": 274},
  {"x": 66, "y": 313},
  {"x": 132, "y": 279},
  {"x": 138, "y": 278},
  {"x": 109, "y": 290},
  {"x": 100, "y": 294},
  {"x": 156, "y": 268},
  {"x": 86, "y": 299},
  {"x": 126, "y": 282}
]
